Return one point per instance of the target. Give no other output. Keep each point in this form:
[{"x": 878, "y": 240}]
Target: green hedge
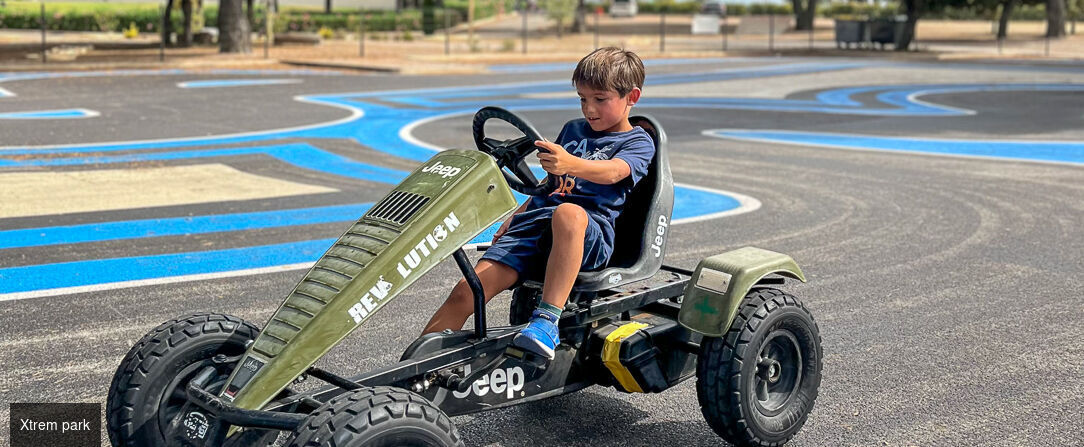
[
  {"x": 116, "y": 17},
  {"x": 1021, "y": 12}
]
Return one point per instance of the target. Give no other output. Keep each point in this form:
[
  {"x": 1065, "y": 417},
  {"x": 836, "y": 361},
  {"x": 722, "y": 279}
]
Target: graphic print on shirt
[
  {"x": 599, "y": 153},
  {"x": 566, "y": 183}
]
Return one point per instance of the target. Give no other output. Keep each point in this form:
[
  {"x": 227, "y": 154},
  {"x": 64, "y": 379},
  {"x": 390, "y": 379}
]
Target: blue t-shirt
[{"x": 603, "y": 203}]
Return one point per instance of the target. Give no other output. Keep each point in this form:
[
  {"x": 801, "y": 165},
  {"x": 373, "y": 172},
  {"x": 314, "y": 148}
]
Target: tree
[
  {"x": 233, "y": 27},
  {"x": 579, "y": 22},
  {"x": 1007, "y": 8},
  {"x": 561, "y": 11},
  {"x": 1003, "y": 21},
  {"x": 167, "y": 24},
  {"x": 914, "y": 10},
  {"x": 1055, "y": 18},
  {"x": 186, "y": 9},
  {"x": 803, "y": 16}
]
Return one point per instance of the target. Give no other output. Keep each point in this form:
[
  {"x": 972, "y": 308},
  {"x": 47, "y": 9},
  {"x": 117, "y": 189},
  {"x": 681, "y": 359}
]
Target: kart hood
[{"x": 442, "y": 205}]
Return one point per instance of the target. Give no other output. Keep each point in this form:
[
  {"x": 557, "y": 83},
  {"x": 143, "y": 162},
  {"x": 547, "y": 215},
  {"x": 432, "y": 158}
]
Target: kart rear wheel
[
  {"x": 524, "y": 301},
  {"x": 147, "y": 390},
  {"x": 757, "y": 385},
  {"x": 377, "y": 417}
]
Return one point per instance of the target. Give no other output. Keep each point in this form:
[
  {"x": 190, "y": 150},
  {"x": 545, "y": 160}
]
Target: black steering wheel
[{"x": 512, "y": 153}]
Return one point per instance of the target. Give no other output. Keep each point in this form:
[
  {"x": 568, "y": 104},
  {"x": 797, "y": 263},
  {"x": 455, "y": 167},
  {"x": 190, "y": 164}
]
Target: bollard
[
  {"x": 771, "y": 33},
  {"x": 361, "y": 35},
  {"x": 725, "y": 19},
  {"x": 44, "y": 58},
  {"x": 662, "y": 30},
  {"x": 161, "y": 38},
  {"x": 812, "y": 26},
  {"x": 598, "y": 12},
  {"x": 447, "y": 32},
  {"x": 267, "y": 29}
]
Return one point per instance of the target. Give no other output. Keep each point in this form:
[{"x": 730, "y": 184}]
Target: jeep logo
[
  {"x": 507, "y": 381},
  {"x": 660, "y": 237},
  {"x": 442, "y": 170}
]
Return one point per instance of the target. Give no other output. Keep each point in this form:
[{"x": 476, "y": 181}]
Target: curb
[{"x": 343, "y": 66}]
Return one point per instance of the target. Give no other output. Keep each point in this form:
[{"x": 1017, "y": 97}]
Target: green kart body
[{"x": 441, "y": 206}]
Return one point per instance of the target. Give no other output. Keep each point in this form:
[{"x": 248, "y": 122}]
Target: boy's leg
[
  {"x": 569, "y": 225},
  {"x": 566, "y": 255},
  {"x": 459, "y": 306}
]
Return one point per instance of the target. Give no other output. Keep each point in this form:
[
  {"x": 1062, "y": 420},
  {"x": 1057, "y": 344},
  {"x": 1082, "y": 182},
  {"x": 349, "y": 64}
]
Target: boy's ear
[{"x": 633, "y": 96}]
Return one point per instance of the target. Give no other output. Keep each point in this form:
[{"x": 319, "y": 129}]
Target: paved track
[{"x": 947, "y": 289}]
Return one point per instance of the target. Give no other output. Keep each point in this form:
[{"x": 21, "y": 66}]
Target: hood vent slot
[{"x": 398, "y": 207}]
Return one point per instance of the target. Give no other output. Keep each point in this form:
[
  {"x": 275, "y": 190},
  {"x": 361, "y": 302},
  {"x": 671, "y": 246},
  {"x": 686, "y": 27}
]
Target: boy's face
[{"x": 605, "y": 110}]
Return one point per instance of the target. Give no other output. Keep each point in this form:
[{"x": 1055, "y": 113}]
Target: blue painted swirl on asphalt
[
  {"x": 1050, "y": 151},
  {"x": 380, "y": 129},
  {"x": 48, "y": 114}
]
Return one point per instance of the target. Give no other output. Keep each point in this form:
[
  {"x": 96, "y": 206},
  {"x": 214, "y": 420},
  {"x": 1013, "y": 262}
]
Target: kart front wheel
[
  {"x": 378, "y": 417},
  {"x": 147, "y": 390},
  {"x": 757, "y": 384}
]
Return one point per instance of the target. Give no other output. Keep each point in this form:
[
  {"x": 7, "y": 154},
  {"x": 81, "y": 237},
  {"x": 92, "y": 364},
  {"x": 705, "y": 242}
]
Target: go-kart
[{"x": 637, "y": 325}]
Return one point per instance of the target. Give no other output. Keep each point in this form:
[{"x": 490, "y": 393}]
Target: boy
[{"x": 595, "y": 162}]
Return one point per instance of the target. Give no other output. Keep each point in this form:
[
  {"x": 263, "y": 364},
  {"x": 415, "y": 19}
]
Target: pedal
[{"x": 527, "y": 358}]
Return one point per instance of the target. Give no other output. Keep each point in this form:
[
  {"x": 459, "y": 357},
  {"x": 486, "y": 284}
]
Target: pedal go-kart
[{"x": 637, "y": 325}]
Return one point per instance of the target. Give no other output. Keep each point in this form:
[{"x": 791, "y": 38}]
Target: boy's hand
[
  {"x": 500, "y": 231},
  {"x": 555, "y": 160}
]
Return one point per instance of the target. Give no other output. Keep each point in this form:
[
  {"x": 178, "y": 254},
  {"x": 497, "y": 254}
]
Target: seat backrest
[{"x": 641, "y": 230}]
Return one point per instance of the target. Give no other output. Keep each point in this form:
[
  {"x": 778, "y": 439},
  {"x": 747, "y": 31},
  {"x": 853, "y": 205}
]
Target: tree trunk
[
  {"x": 1055, "y": 18},
  {"x": 167, "y": 24},
  {"x": 913, "y": 9},
  {"x": 579, "y": 21},
  {"x": 251, "y": 13},
  {"x": 803, "y": 16},
  {"x": 327, "y": 6},
  {"x": 1003, "y": 21},
  {"x": 233, "y": 28},
  {"x": 186, "y": 9}
]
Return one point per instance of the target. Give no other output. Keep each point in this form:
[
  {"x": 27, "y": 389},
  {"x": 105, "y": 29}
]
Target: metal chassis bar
[{"x": 275, "y": 419}]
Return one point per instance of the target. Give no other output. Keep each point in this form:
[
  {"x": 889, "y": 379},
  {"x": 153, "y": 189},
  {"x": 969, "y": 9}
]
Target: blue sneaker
[{"x": 540, "y": 335}]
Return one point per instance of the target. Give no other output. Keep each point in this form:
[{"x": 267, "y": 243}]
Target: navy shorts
[{"x": 526, "y": 246}]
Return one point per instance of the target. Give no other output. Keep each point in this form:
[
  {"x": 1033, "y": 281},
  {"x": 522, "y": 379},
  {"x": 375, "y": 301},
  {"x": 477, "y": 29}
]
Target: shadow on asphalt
[{"x": 582, "y": 418}]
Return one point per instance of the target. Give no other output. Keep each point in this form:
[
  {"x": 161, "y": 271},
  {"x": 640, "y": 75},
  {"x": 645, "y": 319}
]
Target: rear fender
[{"x": 719, "y": 283}]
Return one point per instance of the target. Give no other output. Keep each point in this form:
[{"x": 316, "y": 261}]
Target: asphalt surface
[{"x": 947, "y": 288}]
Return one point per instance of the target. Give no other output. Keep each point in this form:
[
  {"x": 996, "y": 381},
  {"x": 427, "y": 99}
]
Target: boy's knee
[{"x": 569, "y": 218}]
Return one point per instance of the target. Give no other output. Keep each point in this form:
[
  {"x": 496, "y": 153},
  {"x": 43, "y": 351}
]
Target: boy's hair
[{"x": 610, "y": 68}]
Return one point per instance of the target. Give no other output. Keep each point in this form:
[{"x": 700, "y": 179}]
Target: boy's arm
[{"x": 555, "y": 160}]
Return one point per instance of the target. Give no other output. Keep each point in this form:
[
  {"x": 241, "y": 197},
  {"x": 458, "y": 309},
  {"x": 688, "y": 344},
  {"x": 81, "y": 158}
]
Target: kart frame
[{"x": 434, "y": 360}]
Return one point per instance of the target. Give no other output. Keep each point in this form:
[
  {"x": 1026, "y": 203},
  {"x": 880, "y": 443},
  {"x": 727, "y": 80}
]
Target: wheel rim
[
  {"x": 778, "y": 372},
  {"x": 175, "y": 395}
]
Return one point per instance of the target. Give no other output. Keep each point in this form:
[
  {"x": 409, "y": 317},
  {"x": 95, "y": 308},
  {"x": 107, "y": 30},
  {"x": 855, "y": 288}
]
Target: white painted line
[
  {"x": 747, "y": 204},
  {"x": 219, "y": 83},
  {"x": 711, "y": 133},
  {"x": 5, "y": 93},
  {"x": 355, "y": 113},
  {"x": 150, "y": 282},
  {"x": 913, "y": 97}
]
